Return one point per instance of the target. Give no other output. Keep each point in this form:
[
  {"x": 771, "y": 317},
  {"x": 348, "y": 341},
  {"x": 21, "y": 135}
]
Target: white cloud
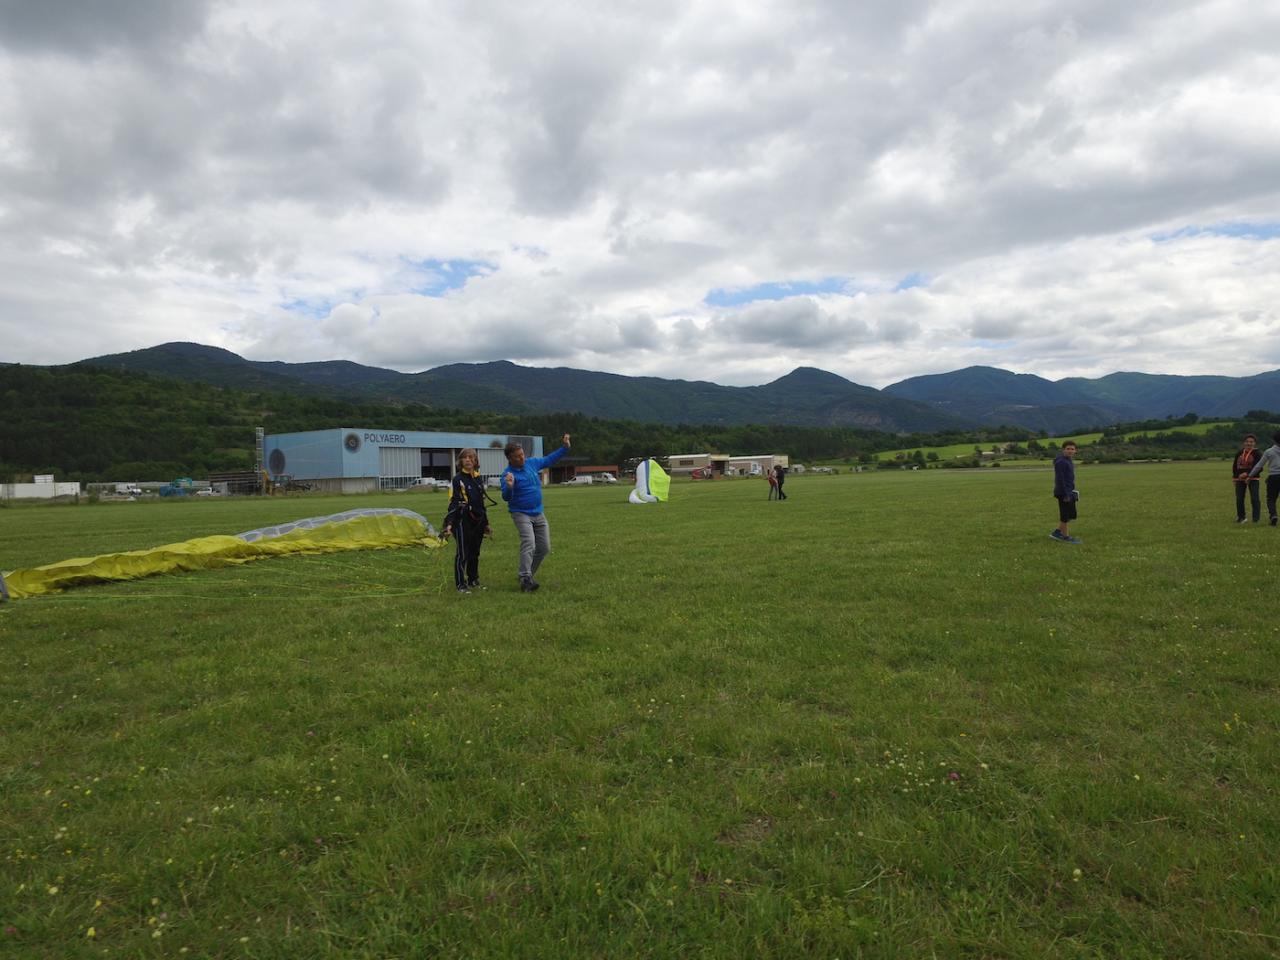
[{"x": 277, "y": 179}]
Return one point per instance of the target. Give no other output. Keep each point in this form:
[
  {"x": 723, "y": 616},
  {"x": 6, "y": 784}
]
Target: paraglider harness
[
  {"x": 471, "y": 513},
  {"x": 472, "y": 510}
]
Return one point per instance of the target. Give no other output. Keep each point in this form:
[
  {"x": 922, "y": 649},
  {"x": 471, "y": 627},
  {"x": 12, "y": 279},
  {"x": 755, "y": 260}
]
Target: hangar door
[
  {"x": 398, "y": 466},
  {"x": 492, "y": 462}
]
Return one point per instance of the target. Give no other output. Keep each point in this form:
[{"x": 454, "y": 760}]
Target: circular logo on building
[
  {"x": 276, "y": 462},
  {"x": 352, "y": 442}
]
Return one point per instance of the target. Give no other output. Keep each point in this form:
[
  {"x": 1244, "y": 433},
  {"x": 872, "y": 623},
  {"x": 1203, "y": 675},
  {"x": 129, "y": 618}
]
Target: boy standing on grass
[
  {"x": 1064, "y": 490},
  {"x": 1270, "y": 460},
  {"x": 522, "y": 489}
]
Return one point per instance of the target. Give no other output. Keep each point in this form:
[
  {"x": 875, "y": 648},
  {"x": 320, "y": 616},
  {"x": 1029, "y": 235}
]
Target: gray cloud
[
  {"x": 83, "y": 27},
  {"x": 264, "y": 173}
]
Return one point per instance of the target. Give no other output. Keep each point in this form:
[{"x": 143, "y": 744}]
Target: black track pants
[{"x": 467, "y": 538}]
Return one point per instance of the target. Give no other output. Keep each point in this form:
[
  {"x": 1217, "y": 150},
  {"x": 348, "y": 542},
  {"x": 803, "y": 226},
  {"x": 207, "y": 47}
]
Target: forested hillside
[
  {"x": 810, "y": 397},
  {"x": 82, "y": 423}
]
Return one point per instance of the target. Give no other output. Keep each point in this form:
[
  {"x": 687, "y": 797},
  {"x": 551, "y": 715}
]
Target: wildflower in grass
[
  {"x": 91, "y": 933},
  {"x": 52, "y": 891},
  {"x": 1076, "y": 874}
]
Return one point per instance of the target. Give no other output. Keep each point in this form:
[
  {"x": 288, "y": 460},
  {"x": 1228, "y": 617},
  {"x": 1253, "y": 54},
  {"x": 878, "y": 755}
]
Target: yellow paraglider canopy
[{"x": 366, "y": 529}]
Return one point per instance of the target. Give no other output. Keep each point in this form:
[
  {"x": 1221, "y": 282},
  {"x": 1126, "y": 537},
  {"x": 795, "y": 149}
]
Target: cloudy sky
[{"x": 697, "y": 189}]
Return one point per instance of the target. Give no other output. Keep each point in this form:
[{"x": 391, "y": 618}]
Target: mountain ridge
[{"x": 807, "y": 396}]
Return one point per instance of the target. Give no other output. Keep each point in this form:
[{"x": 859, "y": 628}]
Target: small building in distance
[
  {"x": 754, "y": 464},
  {"x": 42, "y": 487},
  {"x": 360, "y": 460},
  {"x": 725, "y": 465},
  {"x": 683, "y": 464}
]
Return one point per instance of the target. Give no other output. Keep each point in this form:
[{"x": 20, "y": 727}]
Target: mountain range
[{"x": 974, "y": 396}]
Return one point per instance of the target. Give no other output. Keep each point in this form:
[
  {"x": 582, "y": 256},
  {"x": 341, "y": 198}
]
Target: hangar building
[{"x": 356, "y": 460}]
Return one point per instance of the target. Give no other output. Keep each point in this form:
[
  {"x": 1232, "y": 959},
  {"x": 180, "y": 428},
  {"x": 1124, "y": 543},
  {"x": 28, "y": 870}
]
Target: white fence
[{"x": 38, "y": 491}]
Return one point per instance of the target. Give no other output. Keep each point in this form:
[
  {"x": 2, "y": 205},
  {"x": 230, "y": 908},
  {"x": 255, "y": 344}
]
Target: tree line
[{"x": 89, "y": 424}]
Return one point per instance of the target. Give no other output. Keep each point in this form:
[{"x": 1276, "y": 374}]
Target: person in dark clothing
[
  {"x": 467, "y": 521},
  {"x": 1245, "y": 460},
  {"x": 780, "y": 472},
  {"x": 1271, "y": 460},
  {"x": 1065, "y": 492}
]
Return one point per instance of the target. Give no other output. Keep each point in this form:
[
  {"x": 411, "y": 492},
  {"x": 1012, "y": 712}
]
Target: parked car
[
  {"x": 606, "y": 478},
  {"x": 581, "y": 481},
  {"x": 430, "y": 483}
]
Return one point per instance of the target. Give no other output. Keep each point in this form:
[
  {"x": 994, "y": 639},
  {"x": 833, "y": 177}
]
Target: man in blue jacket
[
  {"x": 1064, "y": 490},
  {"x": 522, "y": 489}
]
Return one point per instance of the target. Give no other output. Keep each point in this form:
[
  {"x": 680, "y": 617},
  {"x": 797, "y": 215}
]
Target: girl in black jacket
[{"x": 467, "y": 521}]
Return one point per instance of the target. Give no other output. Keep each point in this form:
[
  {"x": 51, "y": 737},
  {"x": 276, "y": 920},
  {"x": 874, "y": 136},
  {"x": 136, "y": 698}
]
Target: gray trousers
[{"x": 535, "y": 541}]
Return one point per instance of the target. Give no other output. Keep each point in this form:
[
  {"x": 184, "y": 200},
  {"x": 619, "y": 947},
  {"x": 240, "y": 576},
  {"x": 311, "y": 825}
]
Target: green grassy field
[
  {"x": 886, "y": 718},
  {"x": 954, "y": 450}
]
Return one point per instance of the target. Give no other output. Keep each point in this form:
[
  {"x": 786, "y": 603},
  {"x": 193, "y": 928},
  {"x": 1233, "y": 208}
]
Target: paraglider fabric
[
  {"x": 367, "y": 529},
  {"x": 652, "y": 483},
  {"x": 659, "y": 482}
]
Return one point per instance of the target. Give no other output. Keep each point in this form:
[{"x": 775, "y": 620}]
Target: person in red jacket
[{"x": 1245, "y": 460}]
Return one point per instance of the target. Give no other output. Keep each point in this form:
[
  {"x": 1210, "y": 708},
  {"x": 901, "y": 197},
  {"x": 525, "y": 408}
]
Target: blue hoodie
[
  {"x": 527, "y": 497},
  {"x": 1064, "y": 478}
]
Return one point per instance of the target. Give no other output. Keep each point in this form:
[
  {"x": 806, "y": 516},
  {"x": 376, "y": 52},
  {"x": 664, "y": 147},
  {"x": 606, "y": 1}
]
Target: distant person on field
[
  {"x": 773, "y": 484},
  {"x": 780, "y": 472},
  {"x": 1064, "y": 490},
  {"x": 1246, "y": 459},
  {"x": 1271, "y": 460},
  {"x": 467, "y": 521},
  {"x": 522, "y": 489}
]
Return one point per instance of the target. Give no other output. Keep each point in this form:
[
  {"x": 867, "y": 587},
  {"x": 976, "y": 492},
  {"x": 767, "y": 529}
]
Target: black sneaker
[
  {"x": 477, "y": 585},
  {"x": 464, "y": 589},
  {"x": 1273, "y": 521},
  {"x": 528, "y": 585}
]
